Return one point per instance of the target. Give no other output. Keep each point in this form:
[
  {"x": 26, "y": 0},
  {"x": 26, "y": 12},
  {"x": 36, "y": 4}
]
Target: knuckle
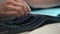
[
  {"x": 9, "y": 0},
  {"x": 7, "y": 6},
  {"x": 20, "y": 8}
]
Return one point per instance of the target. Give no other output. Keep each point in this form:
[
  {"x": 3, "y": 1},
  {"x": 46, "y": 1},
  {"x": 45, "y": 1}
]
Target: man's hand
[
  {"x": 10, "y": 9},
  {"x": 13, "y": 7}
]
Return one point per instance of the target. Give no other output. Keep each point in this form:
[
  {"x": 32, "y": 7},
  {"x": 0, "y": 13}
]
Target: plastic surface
[{"x": 50, "y": 12}]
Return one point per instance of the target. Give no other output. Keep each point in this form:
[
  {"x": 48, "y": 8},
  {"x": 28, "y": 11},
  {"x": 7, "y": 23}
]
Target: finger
[
  {"x": 15, "y": 3},
  {"x": 11, "y": 7},
  {"x": 9, "y": 0},
  {"x": 21, "y": 13},
  {"x": 13, "y": 13},
  {"x": 17, "y": 9},
  {"x": 24, "y": 5},
  {"x": 18, "y": 4},
  {"x": 26, "y": 8},
  {"x": 8, "y": 13},
  {"x": 14, "y": 8},
  {"x": 19, "y": 1}
]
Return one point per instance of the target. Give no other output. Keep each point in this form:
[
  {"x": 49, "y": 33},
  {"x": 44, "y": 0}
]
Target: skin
[
  {"x": 10, "y": 9},
  {"x": 13, "y": 7},
  {"x": 18, "y": 8}
]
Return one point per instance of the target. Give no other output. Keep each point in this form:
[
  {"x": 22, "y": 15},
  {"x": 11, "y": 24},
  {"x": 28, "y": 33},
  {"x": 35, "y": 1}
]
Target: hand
[{"x": 13, "y": 7}]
